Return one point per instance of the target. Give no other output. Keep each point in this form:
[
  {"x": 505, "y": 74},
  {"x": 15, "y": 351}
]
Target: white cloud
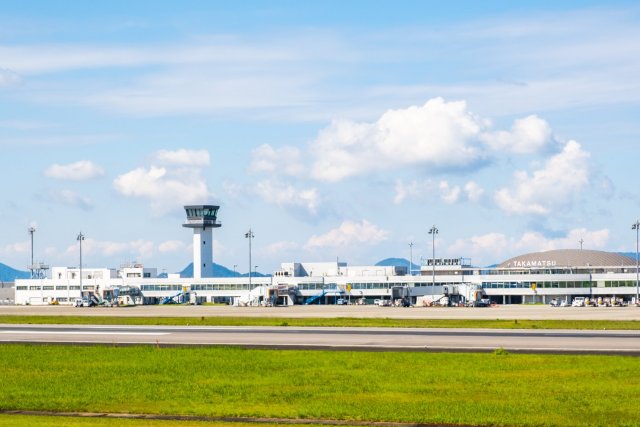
[
  {"x": 182, "y": 157},
  {"x": 528, "y": 135},
  {"x": 165, "y": 188},
  {"x": 554, "y": 187},
  {"x": 286, "y": 195},
  {"x": 281, "y": 161},
  {"x": 70, "y": 198},
  {"x": 449, "y": 194},
  {"x": 474, "y": 191},
  {"x": 140, "y": 249},
  {"x": 79, "y": 171},
  {"x": 349, "y": 233},
  {"x": 277, "y": 249},
  {"x": 9, "y": 78},
  {"x": 13, "y": 248},
  {"x": 439, "y": 135},
  {"x": 412, "y": 189},
  {"x": 493, "y": 248},
  {"x": 171, "y": 246}
]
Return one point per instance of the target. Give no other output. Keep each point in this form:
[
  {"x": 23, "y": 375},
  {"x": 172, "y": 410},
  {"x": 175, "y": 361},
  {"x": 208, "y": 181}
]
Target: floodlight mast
[
  {"x": 32, "y": 230},
  {"x": 636, "y": 226},
  {"x": 80, "y": 238},
  {"x": 249, "y": 235},
  {"x": 433, "y": 231}
]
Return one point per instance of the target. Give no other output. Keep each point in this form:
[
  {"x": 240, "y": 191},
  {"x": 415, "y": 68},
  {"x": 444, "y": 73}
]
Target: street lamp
[
  {"x": 636, "y": 226},
  {"x": 411, "y": 259},
  {"x": 433, "y": 231},
  {"x": 31, "y": 231},
  {"x": 249, "y": 235},
  {"x": 255, "y": 270},
  {"x": 234, "y": 268},
  {"x": 80, "y": 239}
]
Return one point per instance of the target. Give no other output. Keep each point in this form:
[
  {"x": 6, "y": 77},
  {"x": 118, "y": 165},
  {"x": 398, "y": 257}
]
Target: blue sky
[{"x": 332, "y": 129}]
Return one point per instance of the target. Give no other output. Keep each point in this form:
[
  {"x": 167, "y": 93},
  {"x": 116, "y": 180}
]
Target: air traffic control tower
[{"x": 203, "y": 219}]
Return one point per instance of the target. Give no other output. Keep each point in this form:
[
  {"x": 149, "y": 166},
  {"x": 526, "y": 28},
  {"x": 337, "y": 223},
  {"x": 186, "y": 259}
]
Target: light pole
[
  {"x": 80, "y": 239},
  {"x": 433, "y": 231},
  {"x": 411, "y": 259},
  {"x": 234, "y": 268},
  {"x": 636, "y": 226},
  {"x": 255, "y": 270},
  {"x": 31, "y": 231},
  {"x": 581, "y": 241},
  {"x": 249, "y": 235}
]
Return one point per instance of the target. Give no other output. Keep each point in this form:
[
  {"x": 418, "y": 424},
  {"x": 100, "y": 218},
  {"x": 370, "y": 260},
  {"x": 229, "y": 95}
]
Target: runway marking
[{"x": 82, "y": 333}]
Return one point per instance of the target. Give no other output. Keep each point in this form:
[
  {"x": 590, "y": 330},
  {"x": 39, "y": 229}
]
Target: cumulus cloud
[
  {"x": 13, "y": 248},
  {"x": 165, "y": 188},
  {"x": 474, "y": 191},
  {"x": 554, "y": 187},
  {"x": 277, "y": 249},
  {"x": 182, "y": 157},
  {"x": 449, "y": 193},
  {"x": 286, "y": 195},
  {"x": 171, "y": 246},
  {"x": 177, "y": 182},
  {"x": 349, "y": 233},
  {"x": 70, "y": 198},
  {"x": 439, "y": 134},
  {"x": 79, "y": 171},
  {"x": 528, "y": 135},
  {"x": 9, "y": 78},
  {"x": 140, "y": 248},
  {"x": 282, "y": 161},
  {"x": 496, "y": 247}
]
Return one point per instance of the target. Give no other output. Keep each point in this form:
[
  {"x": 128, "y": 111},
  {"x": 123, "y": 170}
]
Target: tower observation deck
[{"x": 202, "y": 219}]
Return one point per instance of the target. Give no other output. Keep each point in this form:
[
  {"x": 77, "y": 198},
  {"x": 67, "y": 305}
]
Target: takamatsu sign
[{"x": 535, "y": 263}]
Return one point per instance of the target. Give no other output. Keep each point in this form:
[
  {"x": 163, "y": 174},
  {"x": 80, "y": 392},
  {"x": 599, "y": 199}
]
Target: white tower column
[
  {"x": 202, "y": 252},
  {"x": 202, "y": 219}
]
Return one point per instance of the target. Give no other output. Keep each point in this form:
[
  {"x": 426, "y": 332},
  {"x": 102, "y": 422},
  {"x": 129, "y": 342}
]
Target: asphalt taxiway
[{"x": 369, "y": 339}]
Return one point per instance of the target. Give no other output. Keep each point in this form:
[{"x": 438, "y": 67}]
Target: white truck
[{"x": 578, "y": 302}]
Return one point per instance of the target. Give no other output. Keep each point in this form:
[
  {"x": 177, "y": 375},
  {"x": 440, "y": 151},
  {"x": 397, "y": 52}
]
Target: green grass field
[
  {"x": 476, "y": 389},
  {"x": 48, "y": 421},
  {"x": 333, "y": 322}
]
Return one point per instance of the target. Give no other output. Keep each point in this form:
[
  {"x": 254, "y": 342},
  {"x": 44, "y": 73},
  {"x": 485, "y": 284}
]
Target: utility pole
[
  {"x": 32, "y": 230},
  {"x": 411, "y": 259},
  {"x": 249, "y": 235},
  {"x": 433, "y": 231},
  {"x": 636, "y": 226},
  {"x": 80, "y": 239}
]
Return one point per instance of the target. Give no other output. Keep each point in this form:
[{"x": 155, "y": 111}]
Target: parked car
[{"x": 341, "y": 301}]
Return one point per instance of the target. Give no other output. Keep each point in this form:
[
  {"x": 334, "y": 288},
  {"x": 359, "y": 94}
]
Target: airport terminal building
[{"x": 531, "y": 278}]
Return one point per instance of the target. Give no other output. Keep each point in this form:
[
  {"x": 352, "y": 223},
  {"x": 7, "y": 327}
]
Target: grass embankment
[
  {"x": 477, "y": 389},
  {"x": 328, "y": 322}
]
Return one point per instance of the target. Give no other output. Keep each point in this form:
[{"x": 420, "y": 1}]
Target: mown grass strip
[
  {"x": 476, "y": 389},
  {"x": 56, "y": 421},
  {"x": 328, "y": 322}
]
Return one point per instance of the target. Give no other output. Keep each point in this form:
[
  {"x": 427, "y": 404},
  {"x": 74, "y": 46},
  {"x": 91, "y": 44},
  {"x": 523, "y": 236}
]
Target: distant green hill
[{"x": 8, "y": 274}]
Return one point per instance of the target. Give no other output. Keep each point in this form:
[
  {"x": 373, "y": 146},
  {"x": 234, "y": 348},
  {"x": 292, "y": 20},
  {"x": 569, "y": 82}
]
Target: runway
[{"x": 363, "y": 339}]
